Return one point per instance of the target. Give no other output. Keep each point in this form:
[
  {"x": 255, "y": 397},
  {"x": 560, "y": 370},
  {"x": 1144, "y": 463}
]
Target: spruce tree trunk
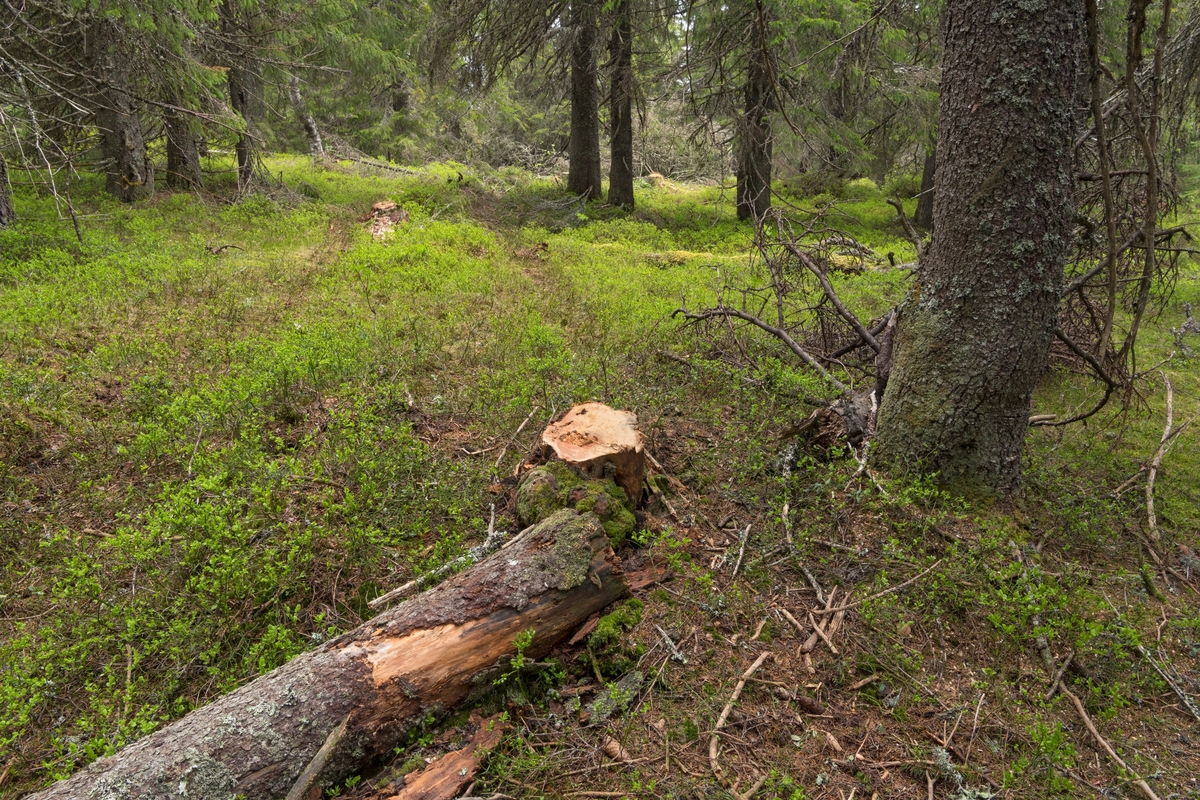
[
  {"x": 128, "y": 172},
  {"x": 754, "y": 135},
  {"x": 183, "y": 152},
  {"x": 923, "y": 218},
  {"x": 973, "y": 335},
  {"x": 6, "y": 204},
  {"x": 369, "y": 688},
  {"x": 315, "y": 146},
  {"x": 620, "y": 170},
  {"x": 240, "y": 98},
  {"x": 583, "y": 177}
]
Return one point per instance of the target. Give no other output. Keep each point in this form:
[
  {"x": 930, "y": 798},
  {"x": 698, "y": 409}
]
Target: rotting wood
[
  {"x": 1151, "y": 518},
  {"x": 592, "y": 436},
  {"x": 387, "y": 675},
  {"x": 445, "y": 778}
]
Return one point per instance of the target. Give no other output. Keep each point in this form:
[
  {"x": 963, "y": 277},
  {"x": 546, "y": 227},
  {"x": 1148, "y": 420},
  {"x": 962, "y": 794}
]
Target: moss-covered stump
[
  {"x": 555, "y": 485},
  {"x": 600, "y": 442},
  {"x": 373, "y": 685}
]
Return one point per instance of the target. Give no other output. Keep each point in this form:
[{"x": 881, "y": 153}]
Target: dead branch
[
  {"x": 1151, "y": 518},
  {"x": 896, "y": 588},
  {"x": 713, "y": 741},
  {"x": 1100, "y": 740},
  {"x": 909, "y": 230}
]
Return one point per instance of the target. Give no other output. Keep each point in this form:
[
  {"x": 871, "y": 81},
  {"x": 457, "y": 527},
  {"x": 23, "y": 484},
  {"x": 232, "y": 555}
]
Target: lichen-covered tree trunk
[
  {"x": 240, "y": 87},
  {"x": 183, "y": 151},
  {"x": 129, "y": 174},
  {"x": 754, "y": 134},
  {"x": 315, "y": 146},
  {"x": 6, "y": 204},
  {"x": 620, "y": 170},
  {"x": 583, "y": 176},
  {"x": 973, "y": 335},
  {"x": 380, "y": 680}
]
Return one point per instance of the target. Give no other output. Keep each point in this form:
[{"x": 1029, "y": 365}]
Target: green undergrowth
[{"x": 211, "y": 461}]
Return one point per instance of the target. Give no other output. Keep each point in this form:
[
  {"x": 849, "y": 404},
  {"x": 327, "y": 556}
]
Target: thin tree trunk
[
  {"x": 315, "y": 145},
  {"x": 754, "y": 134},
  {"x": 973, "y": 335},
  {"x": 620, "y": 170},
  {"x": 128, "y": 172},
  {"x": 923, "y": 218},
  {"x": 183, "y": 152},
  {"x": 583, "y": 177},
  {"x": 367, "y": 689},
  {"x": 6, "y": 204}
]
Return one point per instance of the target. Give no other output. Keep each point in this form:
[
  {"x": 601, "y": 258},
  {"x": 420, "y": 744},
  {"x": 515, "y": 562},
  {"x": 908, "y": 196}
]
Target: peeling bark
[
  {"x": 973, "y": 336},
  {"x": 315, "y": 146},
  {"x": 381, "y": 679}
]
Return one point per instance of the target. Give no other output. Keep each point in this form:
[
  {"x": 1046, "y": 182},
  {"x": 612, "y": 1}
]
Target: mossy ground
[{"x": 210, "y": 462}]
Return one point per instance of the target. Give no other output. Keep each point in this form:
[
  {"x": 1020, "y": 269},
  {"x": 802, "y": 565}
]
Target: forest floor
[{"x": 224, "y": 428}]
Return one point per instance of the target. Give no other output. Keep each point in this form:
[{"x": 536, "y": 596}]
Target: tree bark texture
[
  {"x": 923, "y": 218},
  {"x": 6, "y": 205},
  {"x": 620, "y": 170},
  {"x": 973, "y": 335},
  {"x": 183, "y": 152},
  {"x": 315, "y": 146},
  {"x": 583, "y": 176},
  {"x": 754, "y": 133},
  {"x": 380, "y": 680},
  {"x": 240, "y": 87},
  {"x": 129, "y": 174}
]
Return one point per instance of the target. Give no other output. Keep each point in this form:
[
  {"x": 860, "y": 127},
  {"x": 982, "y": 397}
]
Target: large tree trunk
[
  {"x": 6, "y": 205},
  {"x": 620, "y": 170},
  {"x": 973, "y": 335},
  {"x": 128, "y": 172},
  {"x": 379, "y": 681},
  {"x": 754, "y": 135},
  {"x": 583, "y": 177},
  {"x": 315, "y": 146},
  {"x": 183, "y": 151},
  {"x": 923, "y": 218}
]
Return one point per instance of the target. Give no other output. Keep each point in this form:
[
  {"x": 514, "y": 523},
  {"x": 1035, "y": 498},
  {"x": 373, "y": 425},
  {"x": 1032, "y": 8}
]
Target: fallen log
[{"x": 380, "y": 680}]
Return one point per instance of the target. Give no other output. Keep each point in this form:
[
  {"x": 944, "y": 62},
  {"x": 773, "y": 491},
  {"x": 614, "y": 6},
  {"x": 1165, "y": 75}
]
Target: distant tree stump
[{"x": 600, "y": 442}]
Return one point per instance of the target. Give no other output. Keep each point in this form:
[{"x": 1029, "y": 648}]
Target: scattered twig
[
  {"x": 741, "y": 550},
  {"x": 1054, "y": 684},
  {"x": 1152, "y": 520},
  {"x": 974, "y": 727},
  {"x": 520, "y": 428},
  {"x": 758, "y": 784},
  {"x": 822, "y": 634},
  {"x": 1100, "y": 740},
  {"x": 896, "y": 588},
  {"x": 714, "y": 741},
  {"x": 675, "y": 651}
]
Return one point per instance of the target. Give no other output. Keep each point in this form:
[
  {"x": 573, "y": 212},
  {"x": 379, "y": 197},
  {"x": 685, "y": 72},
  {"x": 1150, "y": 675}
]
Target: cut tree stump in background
[
  {"x": 381, "y": 680},
  {"x": 592, "y": 436}
]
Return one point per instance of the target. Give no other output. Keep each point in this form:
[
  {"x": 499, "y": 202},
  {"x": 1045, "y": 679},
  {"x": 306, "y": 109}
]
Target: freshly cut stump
[
  {"x": 591, "y": 436},
  {"x": 380, "y": 680}
]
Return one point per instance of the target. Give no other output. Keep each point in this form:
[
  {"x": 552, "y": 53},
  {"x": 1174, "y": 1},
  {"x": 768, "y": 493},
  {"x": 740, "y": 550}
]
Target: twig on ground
[
  {"x": 1151, "y": 519},
  {"x": 714, "y": 741},
  {"x": 675, "y": 652},
  {"x": 974, "y": 727},
  {"x": 813, "y": 582},
  {"x": 895, "y": 588},
  {"x": 741, "y": 550},
  {"x": 520, "y": 428},
  {"x": 822, "y": 634},
  {"x": 1100, "y": 740},
  {"x": 758, "y": 784},
  {"x": 1054, "y": 684}
]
